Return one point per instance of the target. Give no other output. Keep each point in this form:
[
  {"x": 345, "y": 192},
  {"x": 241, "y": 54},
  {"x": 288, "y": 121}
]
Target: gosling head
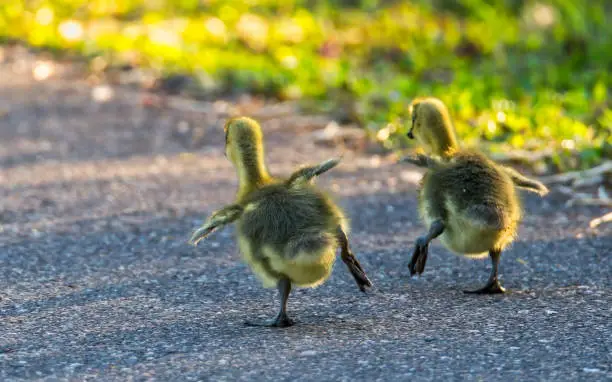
[
  {"x": 243, "y": 140},
  {"x": 244, "y": 148},
  {"x": 432, "y": 126}
]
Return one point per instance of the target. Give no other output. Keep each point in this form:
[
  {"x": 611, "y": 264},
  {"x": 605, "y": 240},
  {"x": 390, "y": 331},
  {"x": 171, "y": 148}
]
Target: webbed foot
[
  {"x": 419, "y": 256},
  {"x": 358, "y": 273},
  {"x": 351, "y": 262},
  {"x": 493, "y": 287},
  {"x": 281, "y": 321}
]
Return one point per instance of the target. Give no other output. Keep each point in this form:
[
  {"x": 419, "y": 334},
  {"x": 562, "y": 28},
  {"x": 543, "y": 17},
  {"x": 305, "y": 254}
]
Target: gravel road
[{"x": 97, "y": 200}]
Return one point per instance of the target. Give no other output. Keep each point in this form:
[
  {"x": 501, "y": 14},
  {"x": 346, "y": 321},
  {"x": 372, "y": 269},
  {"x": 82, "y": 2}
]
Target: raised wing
[
  {"x": 218, "y": 219},
  {"x": 306, "y": 174},
  {"x": 420, "y": 160},
  {"x": 523, "y": 182}
]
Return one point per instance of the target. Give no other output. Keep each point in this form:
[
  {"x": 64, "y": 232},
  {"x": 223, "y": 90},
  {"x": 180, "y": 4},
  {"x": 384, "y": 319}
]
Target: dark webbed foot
[
  {"x": 281, "y": 321},
  {"x": 419, "y": 256},
  {"x": 421, "y": 247},
  {"x": 351, "y": 262},
  {"x": 358, "y": 273},
  {"x": 492, "y": 287},
  {"x": 356, "y": 270}
]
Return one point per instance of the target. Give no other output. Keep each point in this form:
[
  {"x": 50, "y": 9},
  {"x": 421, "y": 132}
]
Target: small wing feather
[
  {"x": 525, "y": 183},
  {"x": 306, "y": 174},
  {"x": 421, "y": 160},
  {"x": 218, "y": 219}
]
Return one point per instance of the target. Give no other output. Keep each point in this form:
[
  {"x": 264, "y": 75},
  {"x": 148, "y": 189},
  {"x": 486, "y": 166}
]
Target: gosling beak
[{"x": 410, "y": 135}]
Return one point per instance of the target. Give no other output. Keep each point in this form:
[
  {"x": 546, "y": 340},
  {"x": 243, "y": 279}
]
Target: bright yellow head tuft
[
  {"x": 432, "y": 126},
  {"x": 243, "y": 139},
  {"x": 244, "y": 148}
]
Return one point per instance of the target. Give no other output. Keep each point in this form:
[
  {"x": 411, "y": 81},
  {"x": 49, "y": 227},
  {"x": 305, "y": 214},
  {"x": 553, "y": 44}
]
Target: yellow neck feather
[
  {"x": 435, "y": 127},
  {"x": 446, "y": 144},
  {"x": 252, "y": 170},
  {"x": 442, "y": 140}
]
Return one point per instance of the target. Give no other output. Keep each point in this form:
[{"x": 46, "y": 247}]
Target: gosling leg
[
  {"x": 421, "y": 247},
  {"x": 492, "y": 286},
  {"x": 282, "y": 320},
  {"x": 351, "y": 262}
]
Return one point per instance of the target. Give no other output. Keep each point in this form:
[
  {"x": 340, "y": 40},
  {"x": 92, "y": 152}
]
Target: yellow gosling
[
  {"x": 465, "y": 199},
  {"x": 288, "y": 230}
]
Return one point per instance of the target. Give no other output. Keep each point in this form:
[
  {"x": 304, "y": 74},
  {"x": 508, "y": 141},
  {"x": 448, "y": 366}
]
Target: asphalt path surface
[{"x": 97, "y": 282}]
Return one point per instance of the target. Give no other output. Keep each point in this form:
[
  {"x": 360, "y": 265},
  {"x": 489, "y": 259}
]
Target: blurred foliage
[{"x": 516, "y": 73}]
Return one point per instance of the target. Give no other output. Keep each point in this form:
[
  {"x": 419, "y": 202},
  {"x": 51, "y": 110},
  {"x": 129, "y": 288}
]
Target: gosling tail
[
  {"x": 486, "y": 217},
  {"x": 525, "y": 183}
]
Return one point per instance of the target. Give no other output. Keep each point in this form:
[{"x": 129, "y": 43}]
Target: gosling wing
[
  {"x": 306, "y": 174},
  {"x": 218, "y": 219}
]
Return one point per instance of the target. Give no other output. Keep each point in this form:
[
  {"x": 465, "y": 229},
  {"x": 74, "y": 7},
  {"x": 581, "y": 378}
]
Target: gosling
[
  {"x": 465, "y": 199},
  {"x": 288, "y": 231}
]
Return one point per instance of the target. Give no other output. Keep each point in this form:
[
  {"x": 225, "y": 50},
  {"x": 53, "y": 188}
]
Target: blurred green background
[{"x": 528, "y": 75}]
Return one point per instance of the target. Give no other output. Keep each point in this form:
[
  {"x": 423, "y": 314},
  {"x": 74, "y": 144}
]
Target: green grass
[{"x": 516, "y": 74}]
